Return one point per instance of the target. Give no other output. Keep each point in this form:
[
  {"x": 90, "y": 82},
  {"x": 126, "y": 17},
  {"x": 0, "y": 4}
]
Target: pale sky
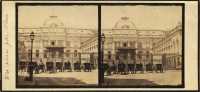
[
  {"x": 144, "y": 17},
  {"x": 71, "y": 16}
]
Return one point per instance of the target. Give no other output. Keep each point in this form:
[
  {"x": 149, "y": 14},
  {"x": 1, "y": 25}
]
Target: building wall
[
  {"x": 85, "y": 43},
  {"x": 152, "y": 42},
  {"x": 171, "y": 45},
  {"x": 68, "y": 38}
]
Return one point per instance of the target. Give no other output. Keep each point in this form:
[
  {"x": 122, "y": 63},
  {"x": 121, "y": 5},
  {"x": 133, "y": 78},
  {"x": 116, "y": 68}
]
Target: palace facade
[
  {"x": 129, "y": 44},
  {"x": 54, "y": 42}
]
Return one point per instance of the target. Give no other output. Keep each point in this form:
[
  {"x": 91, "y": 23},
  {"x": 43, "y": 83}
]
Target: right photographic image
[{"x": 141, "y": 45}]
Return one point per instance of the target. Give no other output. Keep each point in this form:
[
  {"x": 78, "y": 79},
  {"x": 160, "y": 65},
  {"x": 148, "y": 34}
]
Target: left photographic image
[{"x": 57, "y": 45}]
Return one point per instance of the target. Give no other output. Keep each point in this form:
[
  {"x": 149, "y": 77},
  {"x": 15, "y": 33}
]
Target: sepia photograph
[
  {"x": 99, "y": 46},
  {"x": 57, "y": 45},
  {"x": 142, "y": 45}
]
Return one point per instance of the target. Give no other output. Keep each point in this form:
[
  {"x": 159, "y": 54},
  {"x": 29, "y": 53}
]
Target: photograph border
[
  {"x": 100, "y": 73},
  {"x": 1, "y": 68},
  {"x": 183, "y": 47},
  {"x": 17, "y": 59}
]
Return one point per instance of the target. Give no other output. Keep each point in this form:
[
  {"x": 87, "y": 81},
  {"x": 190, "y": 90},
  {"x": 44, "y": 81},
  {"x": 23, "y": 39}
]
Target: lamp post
[
  {"x": 31, "y": 63},
  {"x": 103, "y": 40},
  {"x": 102, "y": 55}
]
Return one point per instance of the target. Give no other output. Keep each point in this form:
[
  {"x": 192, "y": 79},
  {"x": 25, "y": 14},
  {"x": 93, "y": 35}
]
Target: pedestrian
[{"x": 36, "y": 65}]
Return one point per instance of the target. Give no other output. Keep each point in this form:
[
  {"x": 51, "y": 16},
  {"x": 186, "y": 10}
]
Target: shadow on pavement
[
  {"x": 128, "y": 82},
  {"x": 49, "y": 81}
]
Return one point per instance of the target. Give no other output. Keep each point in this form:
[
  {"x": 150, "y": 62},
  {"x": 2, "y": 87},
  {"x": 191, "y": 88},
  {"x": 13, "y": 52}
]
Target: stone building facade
[
  {"x": 171, "y": 46},
  {"x": 54, "y": 42},
  {"x": 129, "y": 44}
]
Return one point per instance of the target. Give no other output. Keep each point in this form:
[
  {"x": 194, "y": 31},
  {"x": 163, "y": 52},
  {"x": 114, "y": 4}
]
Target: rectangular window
[
  {"x": 115, "y": 44},
  {"x": 67, "y": 43},
  {"x": 109, "y": 55},
  {"x": 61, "y": 54},
  {"x": 67, "y": 53},
  {"x": 37, "y": 53},
  {"x": 53, "y": 54},
  {"x": 29, "y": 53},
  {"x": 45, "y": 42},
  {"x": 75, "y": 53},
  {"x": 60, "y": 42},
  {"x": 53, "y": 43},
  {"x": 45, "y": 53}
]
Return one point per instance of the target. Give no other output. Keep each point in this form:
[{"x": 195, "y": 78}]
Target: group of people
[
  {"x": 51, "y": 67},
  {"x": 108, "y": 68},
  {"x": 124, "y": 68}
]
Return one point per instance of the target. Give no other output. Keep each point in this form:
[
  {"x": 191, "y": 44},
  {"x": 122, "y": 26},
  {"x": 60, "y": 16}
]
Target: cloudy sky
[{"x": 144, "y": 17}]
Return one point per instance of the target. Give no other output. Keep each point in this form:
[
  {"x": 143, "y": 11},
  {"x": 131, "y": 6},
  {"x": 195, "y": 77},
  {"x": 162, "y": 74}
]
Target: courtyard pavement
[
  {"x": 61, "y": 78},
  {"x": 169, "y": 77}
]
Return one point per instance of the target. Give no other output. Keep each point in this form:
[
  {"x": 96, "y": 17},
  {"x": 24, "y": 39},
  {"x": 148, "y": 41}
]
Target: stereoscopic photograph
[
  {"x": 99, "y": 46},
  {"x": 142, "y": 45},
  {"x": 57, "y": 45}
]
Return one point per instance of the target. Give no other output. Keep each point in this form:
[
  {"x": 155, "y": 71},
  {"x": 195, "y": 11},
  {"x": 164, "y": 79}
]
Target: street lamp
[
  {"x": 31, "y": 63},
  {"x": 103, "y": 40},
  {"x": 102, "y": 56}
]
